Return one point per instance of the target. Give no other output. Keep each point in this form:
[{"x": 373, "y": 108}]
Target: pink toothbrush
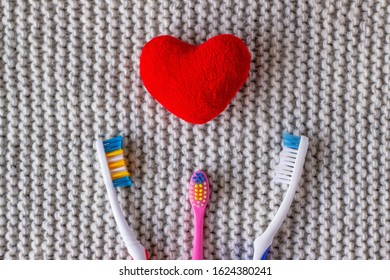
[{"x": 199, "y": 194}]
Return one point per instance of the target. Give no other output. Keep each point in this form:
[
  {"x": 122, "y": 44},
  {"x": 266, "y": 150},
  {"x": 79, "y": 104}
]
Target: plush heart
[{"x": 195, "y": 83}]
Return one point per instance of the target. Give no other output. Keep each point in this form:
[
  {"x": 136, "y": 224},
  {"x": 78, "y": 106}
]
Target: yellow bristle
[
  {"x": 114, "y": 153},
  {"x": 116, "y": 164},
  {"x": 120, "y": 174}
]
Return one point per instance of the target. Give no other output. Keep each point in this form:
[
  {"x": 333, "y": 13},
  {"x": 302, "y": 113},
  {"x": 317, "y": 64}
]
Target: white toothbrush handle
[{"x": 136, "y": 250}]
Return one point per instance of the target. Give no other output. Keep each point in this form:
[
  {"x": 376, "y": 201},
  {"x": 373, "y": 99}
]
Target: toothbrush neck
[{"x": 283, "y": 210}]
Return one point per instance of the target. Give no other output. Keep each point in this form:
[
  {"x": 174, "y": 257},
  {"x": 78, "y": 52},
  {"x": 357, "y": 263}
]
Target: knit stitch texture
[{"x": 69, "y": 72}]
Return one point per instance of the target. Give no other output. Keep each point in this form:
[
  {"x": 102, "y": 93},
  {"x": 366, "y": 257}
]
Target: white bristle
[
  {"x": 115, "y": 158},
  {"x": 123, "y": 168},
  {"x": 284, "y": 170}
]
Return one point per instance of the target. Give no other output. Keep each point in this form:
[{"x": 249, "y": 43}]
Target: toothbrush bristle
[
  {"x": 199, "y": 190},
  {"x": 285, "y": 168},
  {"x": 116, "y": 162},
  {"x": 291, "y": 141}
]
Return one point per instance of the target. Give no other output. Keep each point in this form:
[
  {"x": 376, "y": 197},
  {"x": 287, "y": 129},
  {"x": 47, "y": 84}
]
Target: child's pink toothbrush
[{"x": 199, "y": 194}]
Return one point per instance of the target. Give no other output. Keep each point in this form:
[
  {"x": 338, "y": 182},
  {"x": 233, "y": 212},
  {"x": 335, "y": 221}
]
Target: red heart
[{"x": 195, "y": 83}]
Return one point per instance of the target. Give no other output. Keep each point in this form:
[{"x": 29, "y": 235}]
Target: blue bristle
[
  {"x": 291, "y": 141},
  {"x": 122, "y": 182},
  {"x": 112, "y": 144}
]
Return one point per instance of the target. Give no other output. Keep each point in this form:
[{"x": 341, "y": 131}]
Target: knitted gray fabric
[{"x": 69, "y": 72}]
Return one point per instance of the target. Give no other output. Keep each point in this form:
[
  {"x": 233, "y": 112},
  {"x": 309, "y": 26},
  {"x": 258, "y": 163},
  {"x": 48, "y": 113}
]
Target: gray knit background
[{"x": 69, "y": 72}]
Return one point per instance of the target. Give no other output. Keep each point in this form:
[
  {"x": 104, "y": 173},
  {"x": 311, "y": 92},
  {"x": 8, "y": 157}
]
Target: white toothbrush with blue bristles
[{"x": 288, "y": 171}]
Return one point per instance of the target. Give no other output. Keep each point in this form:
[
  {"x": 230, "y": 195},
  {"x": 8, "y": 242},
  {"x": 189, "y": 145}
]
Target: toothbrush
[
  {"x": 199, "y": 195},
  {"x": 115, "y": 175},
  {"x": 288, "y": 171}
]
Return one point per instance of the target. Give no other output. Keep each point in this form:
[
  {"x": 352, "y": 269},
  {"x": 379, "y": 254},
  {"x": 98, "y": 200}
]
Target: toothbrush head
[
  {"x": 116, "y": 162},
  {"x": 199, "y": 190},
  {"x": 292, "y": 159}
]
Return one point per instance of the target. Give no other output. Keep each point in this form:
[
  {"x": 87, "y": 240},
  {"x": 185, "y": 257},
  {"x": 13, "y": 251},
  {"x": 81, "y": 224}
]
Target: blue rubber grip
[{"x": 264, "y": 257}]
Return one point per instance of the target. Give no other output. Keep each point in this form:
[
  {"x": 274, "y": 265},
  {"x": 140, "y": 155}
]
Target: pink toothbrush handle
[{"x": 197, "y": 252}]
